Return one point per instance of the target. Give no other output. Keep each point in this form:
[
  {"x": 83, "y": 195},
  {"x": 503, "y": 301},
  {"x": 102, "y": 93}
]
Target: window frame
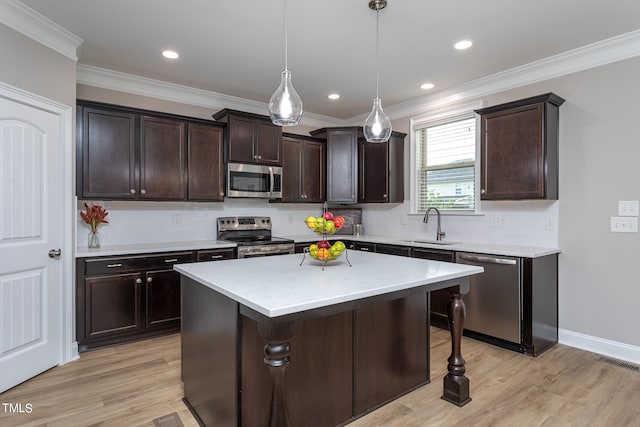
[{"x": 437, "y": 117}]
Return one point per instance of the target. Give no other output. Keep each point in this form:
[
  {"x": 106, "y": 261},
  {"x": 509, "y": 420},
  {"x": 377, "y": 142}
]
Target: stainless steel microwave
[{"x": 245, "y": 180}]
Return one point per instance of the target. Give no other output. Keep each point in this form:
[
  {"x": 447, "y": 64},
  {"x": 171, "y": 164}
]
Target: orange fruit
[{"x": 323, "y": 254}]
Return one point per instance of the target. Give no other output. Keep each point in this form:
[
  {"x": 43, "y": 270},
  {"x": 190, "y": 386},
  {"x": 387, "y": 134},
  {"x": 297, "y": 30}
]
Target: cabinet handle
[
  {"x": 138, "y": 281},
  {"x": 259, "y": 156},
  {"x": 149, "y": 279},
  {"x": 216, "y": 256},
  {"x": 483, "y": 191},
  {"x": 143, "y": 191},
  {"x": 171, "y": 260},
  {"x": 384, "y": 196},
  {"x": 113, "y": 265},
  {"x": 132, "y": 191},
  {"x": 364, "y": 249},
  {"x": 255, "y": 157},
  {"x": 222, "y": 194}
]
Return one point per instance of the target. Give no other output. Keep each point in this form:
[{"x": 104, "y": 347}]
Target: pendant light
[
  {"x": 285, "y": 106},
  {"x": 377, "y": 127}
]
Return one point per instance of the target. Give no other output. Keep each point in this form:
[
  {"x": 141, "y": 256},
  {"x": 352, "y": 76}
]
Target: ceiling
[{"x": 236, "y": 48}]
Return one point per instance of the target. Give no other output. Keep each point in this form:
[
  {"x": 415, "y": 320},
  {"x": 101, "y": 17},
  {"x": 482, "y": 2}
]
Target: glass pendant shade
[
  {"x": 285, "y": 106},
  {"x": 377, "y": 127}
]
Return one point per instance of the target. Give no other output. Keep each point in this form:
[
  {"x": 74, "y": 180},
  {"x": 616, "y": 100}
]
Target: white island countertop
[{"x": 277, "y": 286}]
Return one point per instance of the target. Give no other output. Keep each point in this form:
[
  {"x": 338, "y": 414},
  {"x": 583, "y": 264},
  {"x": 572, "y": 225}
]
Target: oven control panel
[{"x": 229, "y": 223}]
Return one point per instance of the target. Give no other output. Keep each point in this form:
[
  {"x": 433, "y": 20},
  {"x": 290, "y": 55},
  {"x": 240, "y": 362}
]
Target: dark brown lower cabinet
[
  {"x": 122, "y": 299},
  {"x": 162, "y": 301},
  {"x": 114, "y": 303}
]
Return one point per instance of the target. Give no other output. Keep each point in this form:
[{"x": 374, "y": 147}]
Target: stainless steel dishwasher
[{"x": 494, "y": 301}]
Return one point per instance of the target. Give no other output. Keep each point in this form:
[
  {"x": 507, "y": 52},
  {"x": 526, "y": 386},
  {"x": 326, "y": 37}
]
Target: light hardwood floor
[{"x": 132, "y": 384}]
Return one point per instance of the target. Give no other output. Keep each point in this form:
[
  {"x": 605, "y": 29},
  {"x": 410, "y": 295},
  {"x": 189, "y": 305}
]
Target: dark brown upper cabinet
[
  {"x": 106, "y": 154},
  {"x": 381, "y": 167},
  {"x": 519, "y": 149},
  {"x": 358, "y": 171},
  {"x": 162, "y": 159},
  {"x": 303, "y": 169},
  {"x": 342, "y": 163},
  {"x": 128, "y": 154},
  {"x": 251, "y": 138},
  {"x": 205, "y": 156}
]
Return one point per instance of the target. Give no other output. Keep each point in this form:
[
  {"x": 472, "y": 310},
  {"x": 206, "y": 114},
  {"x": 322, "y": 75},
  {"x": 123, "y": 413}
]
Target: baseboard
[{"x": 602, "y": 346}]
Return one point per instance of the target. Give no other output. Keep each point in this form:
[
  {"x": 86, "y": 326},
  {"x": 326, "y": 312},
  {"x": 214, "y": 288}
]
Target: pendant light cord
[
  {"x": 286, "y": 31},
  {"x": 377, "y": 49}
]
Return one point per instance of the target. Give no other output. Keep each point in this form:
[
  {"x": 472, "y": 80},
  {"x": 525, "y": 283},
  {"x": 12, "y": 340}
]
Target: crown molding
[
  {"x": 129, "y": 83},
  {"x": 604, "y": 52},
  {"x": 27, "y": 21},
  {"x": 590, "y": 56}
]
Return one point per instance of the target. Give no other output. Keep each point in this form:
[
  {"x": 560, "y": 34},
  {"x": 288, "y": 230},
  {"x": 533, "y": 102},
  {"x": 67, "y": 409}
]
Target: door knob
[{"x": 55, "y": 253}]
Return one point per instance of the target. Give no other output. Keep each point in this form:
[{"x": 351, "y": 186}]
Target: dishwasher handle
[{"x": 488, "y": 259}]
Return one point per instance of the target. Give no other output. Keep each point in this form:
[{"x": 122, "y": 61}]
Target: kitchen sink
[{"x": 433, "y": 242}]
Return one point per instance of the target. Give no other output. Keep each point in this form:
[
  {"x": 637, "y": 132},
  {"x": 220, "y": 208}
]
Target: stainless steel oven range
[{"x": 253, "y": 236}]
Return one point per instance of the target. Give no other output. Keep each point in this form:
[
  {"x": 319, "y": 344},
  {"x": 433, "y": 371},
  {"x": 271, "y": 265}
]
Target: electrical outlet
[
  {"x": 624, "y": 224},
  {"x": 403, "y": 219},
  {"x": 177, "y": 220},
  {"x": 497, "y": 221},
  {"x": 549, "y": 223},
  {"x": 628, "y": 208}
]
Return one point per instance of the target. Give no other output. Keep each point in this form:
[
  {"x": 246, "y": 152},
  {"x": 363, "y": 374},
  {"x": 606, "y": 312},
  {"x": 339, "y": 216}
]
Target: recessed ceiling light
[
  {"x": 333, "y": 96},
  {"x": 426, "y": 86},
  {"x": 171, "y": 54},
  {"x": 463, "y": 44}
]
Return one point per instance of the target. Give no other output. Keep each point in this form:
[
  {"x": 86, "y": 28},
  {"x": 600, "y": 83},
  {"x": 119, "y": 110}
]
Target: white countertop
[
  {"x": 143, "y": 248},
  {"x": 484, "y": 248},
  {"x": 283, "y": 287}
]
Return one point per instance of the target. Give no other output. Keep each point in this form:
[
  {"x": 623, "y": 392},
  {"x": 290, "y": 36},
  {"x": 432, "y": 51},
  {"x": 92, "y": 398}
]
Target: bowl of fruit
[
  {"x": 325, "y": 251},
  {"x": 325, "y": 224}
]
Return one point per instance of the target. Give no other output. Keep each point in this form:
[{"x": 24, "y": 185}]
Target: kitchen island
[{"x": 357, "y": 335}]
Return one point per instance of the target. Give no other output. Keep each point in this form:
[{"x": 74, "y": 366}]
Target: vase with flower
[{"x": 94, "y": 216}]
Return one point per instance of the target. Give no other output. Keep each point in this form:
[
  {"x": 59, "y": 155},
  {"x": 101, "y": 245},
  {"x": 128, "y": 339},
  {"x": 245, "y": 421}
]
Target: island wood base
[{"x": 330, "y": 366}]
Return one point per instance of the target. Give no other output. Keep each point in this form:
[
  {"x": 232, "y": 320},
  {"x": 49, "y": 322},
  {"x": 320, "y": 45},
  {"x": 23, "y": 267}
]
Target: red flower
[{"x": 94, "y": 216}]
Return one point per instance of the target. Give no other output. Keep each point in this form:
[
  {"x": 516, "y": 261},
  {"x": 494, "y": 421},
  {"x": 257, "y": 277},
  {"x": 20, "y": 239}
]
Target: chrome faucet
[{"x": 439, "y": 234}]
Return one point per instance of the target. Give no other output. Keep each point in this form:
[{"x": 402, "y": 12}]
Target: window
[{"x": 445, "y": 156}]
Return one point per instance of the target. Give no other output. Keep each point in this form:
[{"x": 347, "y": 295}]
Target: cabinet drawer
[
  {"x": 119, "y": 264},
  {"x": 216, "y": 254}
]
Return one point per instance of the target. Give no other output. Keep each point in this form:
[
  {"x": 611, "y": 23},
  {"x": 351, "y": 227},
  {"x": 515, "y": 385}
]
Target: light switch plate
[
  {"x": 624, "y": 224},
  {"x": 628, "y": 207}
]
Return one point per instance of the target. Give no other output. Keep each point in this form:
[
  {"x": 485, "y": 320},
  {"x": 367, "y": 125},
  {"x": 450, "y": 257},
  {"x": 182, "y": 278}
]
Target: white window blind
[{"x": 445, "y": 169}]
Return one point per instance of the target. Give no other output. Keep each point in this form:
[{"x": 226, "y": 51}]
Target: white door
[{"x": 30, "y": 288}]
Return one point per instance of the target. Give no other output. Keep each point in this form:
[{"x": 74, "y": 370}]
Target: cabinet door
[
  {"x": 513, "y": 157},
  {"x": 241, "y": 140},
  {"x": 106, "y": 154},
  {"x": 268, "y": 143},
  {"x": 373, "y": 166},
  {"x": 205, "y": 158},
  {"x": 303, "y": 166},
  {"x": 313, "y": 171},
  {"x": 395, "y": 183},
  {"x": 162, "y": 296},
  {"x": 112, "y": 305},
  {"x": 162, "y": 159},
  {"x": 342, "y": 166},
  {"x": 292, "y": 172}
]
